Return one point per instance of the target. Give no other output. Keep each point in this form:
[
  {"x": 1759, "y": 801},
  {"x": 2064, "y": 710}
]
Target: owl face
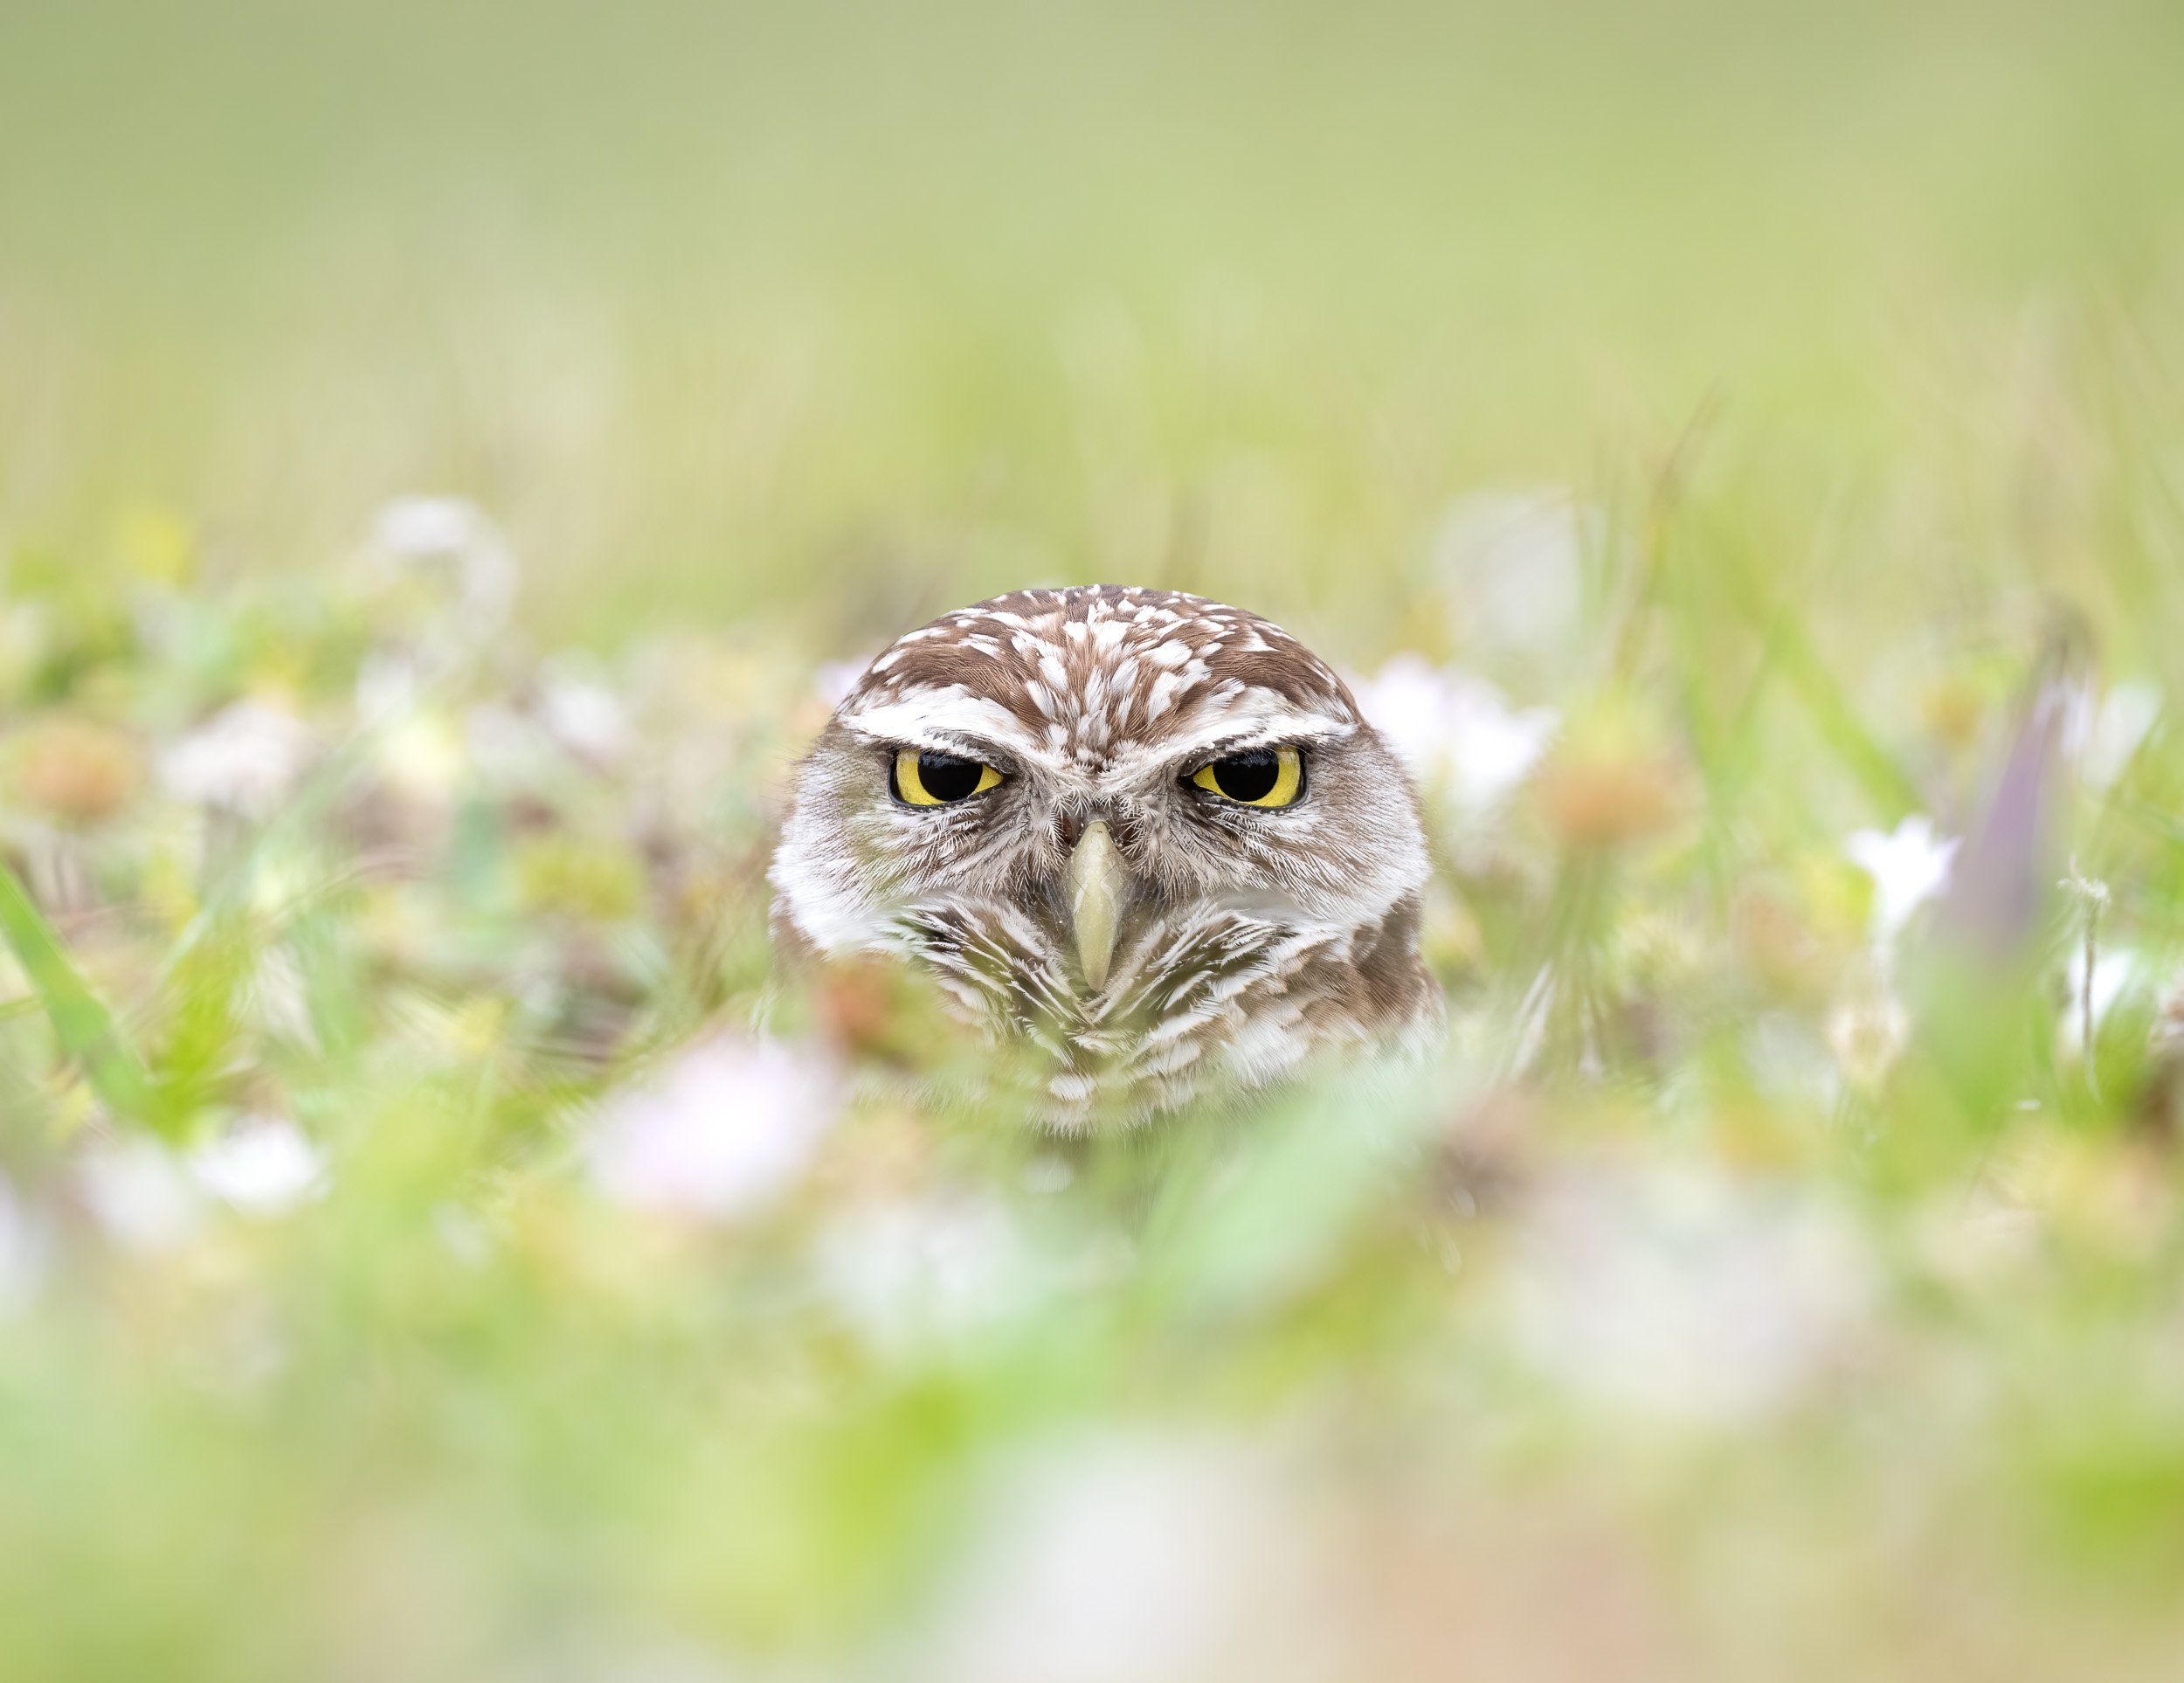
[{"x": 1150, "y": 832}]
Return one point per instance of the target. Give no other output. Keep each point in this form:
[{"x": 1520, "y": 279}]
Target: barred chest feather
[{"x": 1201, "y": 1003}]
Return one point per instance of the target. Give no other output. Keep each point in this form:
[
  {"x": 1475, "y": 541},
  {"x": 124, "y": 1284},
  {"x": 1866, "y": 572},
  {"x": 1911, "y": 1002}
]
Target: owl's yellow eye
[
  {"x": 924, "y": 778},
  {"x": 1260, "y": 777}
]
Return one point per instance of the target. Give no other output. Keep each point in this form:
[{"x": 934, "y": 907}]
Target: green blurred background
[
  {"x": 837, "y": 312},
  {"x": 1856, "y": 329}
]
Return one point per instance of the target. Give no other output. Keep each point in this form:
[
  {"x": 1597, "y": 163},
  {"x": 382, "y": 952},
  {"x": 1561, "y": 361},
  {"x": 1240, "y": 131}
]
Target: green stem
[{"x": 84, "y": 1026}]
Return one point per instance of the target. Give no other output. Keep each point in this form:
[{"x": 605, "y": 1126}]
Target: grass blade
[{"x": 80, "y": 1020}]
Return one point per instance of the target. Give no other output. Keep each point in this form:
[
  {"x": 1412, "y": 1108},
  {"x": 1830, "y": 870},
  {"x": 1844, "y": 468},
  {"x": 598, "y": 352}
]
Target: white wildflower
[
  {"x": 1908, "y": 866},
  {"x": 451, "y": 541},
  {"x": 1869, "y": 1028},
  {"x": 586, "y": 716},
  {"x": 1680, "y": 1295},
  {"x": 726, "y": 1128},
  {"x": 418, "y": 529},
  {"x": 245, "y": 760},
  {"x": 1457, "y": 732},
  {"x": 140, "y": 1196},
  {"x": 263, "y": 1166},
  {"x": 2102, "y": 732}
]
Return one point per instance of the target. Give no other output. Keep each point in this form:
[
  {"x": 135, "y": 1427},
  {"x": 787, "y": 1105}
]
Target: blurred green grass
[
  {"x": 1742, "y": 1295},
  {"x": 734, "y": 308}
]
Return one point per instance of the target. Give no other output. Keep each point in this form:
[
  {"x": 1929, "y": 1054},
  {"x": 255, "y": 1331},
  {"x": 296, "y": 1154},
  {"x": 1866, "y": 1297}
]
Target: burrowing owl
[{"x": 1151, "y": 833}]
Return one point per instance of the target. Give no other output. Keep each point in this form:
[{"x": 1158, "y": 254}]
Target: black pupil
[
  {"x": 1248, "y": 776},
  {"x": 947, "y": 778}
]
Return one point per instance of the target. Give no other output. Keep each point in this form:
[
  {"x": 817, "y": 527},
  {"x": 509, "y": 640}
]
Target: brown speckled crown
[{"x": 1136, "y": 662}]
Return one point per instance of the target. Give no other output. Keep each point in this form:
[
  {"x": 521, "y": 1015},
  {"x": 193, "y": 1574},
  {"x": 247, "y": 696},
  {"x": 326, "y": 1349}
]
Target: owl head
[{"x": 1149, "y": 832}]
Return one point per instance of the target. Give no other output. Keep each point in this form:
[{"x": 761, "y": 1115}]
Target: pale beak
[{"x": 1095, "y": 884}]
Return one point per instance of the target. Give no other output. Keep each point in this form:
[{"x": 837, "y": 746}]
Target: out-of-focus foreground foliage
[{"x": 446, "y": 453}]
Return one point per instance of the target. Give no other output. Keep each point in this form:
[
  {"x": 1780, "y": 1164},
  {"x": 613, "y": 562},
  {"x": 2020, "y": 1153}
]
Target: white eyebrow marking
[
  {"x": 1259, "y": 719},
  {"x": 917, "y": 715}
]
